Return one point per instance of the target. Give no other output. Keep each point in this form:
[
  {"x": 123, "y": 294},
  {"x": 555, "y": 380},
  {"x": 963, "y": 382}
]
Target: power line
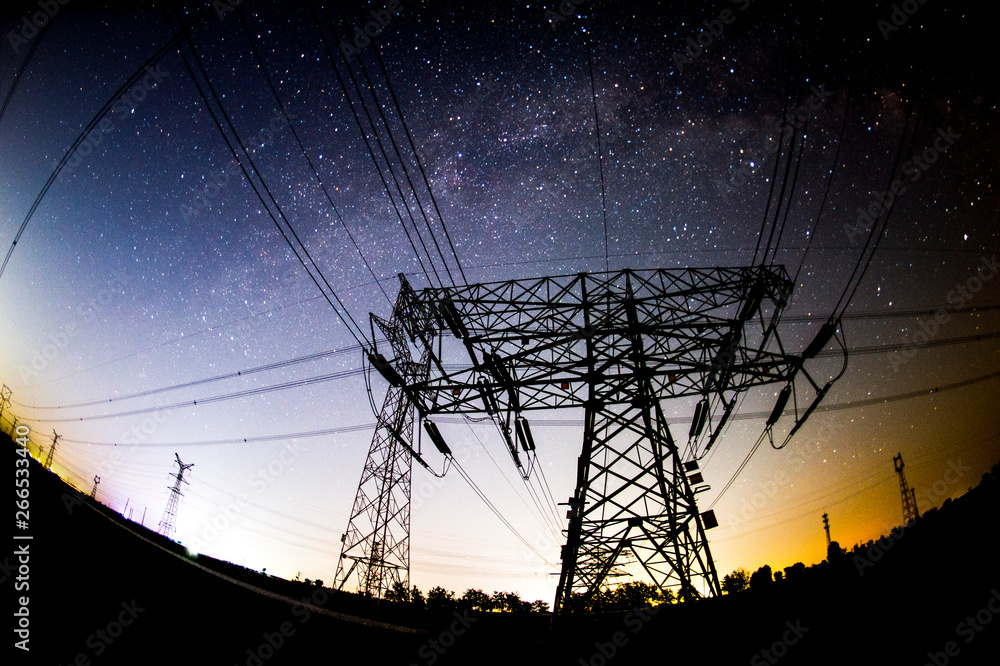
[
  {"x": 829, "y": 183},
  {"x": 600, "y": 151},
  {"x": 351, "y": 372},
  {"x": 416, "y": 156},
  {"x": 573, "y": 423},
  {"x": 781, "y": 140},
  {"x": 132, "y": 80},
  {"x": 24, "y": 64},
  {"x": 853, "y": 405},
  {"x": 342, "y": 313},
  {"x": 496, "y": 511},
  {"x": 198, "y": 382},
  {"x": 219, "y": 398},
  {"x": 305, "y": 153},
  {"x": 885, "y": 220},
  {"x": 371, "y": 152}
]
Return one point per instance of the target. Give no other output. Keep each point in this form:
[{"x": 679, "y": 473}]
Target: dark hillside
[{"x": 920, "y": 592}]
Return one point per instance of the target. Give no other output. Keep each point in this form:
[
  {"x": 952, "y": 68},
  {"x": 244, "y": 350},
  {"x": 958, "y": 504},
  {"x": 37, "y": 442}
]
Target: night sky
[{"x": 151, "y": 262}]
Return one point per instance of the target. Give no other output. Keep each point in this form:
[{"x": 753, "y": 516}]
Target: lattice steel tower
[
  {"x": 52, "y": 450},
  {"x": 167, "y": 527},
  {"x": 4, "y": 403},
  {"x": 908, "y": 494},
  {"x": 375, "y": 551},
  {"x": 617, "y": 345}
]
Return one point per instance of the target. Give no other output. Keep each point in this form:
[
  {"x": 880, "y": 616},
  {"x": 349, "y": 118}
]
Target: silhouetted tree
[
  {"x": 439, "y": 599},
  {"x": 835, "y": 554},
  {"x": 539, "y": 606},
  {"x": 417, "y": 597},
  {"x": 762, "y": 577},
  {"x": 398, "y": 592},
  {"x": 477, "y": 600},
  {"x": 507, "y": 602},
  {"x": 318, "y": 583},
  {"x": 633, "y": 594},
  {"x": 736, "y": 582},
  {"x": 793, "y": 572}
]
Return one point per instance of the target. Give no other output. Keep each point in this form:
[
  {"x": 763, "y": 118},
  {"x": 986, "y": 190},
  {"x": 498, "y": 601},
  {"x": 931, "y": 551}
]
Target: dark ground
[{"x": 87, "y": 561}]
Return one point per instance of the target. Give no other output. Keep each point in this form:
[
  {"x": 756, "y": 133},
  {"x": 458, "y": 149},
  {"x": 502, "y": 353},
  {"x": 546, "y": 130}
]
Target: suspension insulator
[
  {"x": 779, "y": 406},
  {"x": 821, "y": 340},
  {"x": 752, "y": 304},
  {"x": 435, "y": 435},
  {"x": 700, "y": 417},
  {"x": 386, "y": 370},
  {"x": 524, "y": 434}
]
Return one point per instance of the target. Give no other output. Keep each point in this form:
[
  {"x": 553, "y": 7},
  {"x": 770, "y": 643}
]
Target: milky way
[{"x": 151, "y": 262}]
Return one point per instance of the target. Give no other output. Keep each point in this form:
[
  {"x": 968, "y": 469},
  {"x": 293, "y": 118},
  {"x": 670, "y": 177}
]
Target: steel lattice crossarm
[
  {"x": 616, "y": 344},
  {"x": 540, "y": 343}
]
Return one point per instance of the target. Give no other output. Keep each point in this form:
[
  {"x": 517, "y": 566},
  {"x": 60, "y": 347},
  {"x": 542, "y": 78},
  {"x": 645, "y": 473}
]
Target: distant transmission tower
[
  {"x": 909, "y": 496},
  {"x": 167, "y": 527},
  {"x": 826, "y": 526},
  {"x": 52, "y": 450},
  {"x": 4, "y": 401},
  {"x": 97, "y": 482}
]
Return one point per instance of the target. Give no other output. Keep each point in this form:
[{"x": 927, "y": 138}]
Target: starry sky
[{"x": 151, "y": 263}]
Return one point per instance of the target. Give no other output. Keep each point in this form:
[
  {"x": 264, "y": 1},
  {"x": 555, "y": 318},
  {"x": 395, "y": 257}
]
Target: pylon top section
[{"x": 546, "y": 342}]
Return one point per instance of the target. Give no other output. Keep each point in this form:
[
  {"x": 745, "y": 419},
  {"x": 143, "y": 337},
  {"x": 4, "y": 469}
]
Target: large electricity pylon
[
  {"x": 167, "y": 527},
  {"x": 617, "y": 345},
  {"x": 375, "y": 551},
  {"x": 908, "y": 494}
]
